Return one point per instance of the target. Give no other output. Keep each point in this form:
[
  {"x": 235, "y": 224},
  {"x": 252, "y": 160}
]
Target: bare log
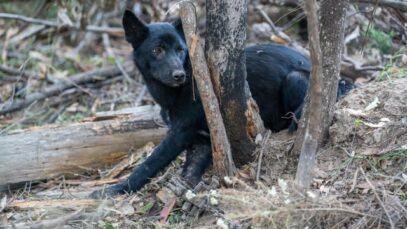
[
  {"x": 221, "y": 151},
  {"x": 46, "y": 152}
]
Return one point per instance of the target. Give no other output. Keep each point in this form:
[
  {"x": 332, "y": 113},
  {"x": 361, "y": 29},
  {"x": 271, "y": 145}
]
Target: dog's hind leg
[{"x": 198, "y": 158}]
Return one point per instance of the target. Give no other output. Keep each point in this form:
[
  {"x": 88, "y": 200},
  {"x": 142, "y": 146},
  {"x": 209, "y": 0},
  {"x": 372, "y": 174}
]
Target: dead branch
[
  {"x": 378, "y": 198},
  {"x": 106, "y": 43},
  {"x": 221, "y": 151},
  {"x": 15, "y": 72},
  {"x": 52, "y": 223},
  {"x": 309, "y": 147},
  {"x": 262, "y": 149},
  {"x": 89, "y": 28},
  {"x": 280, "y": 34},
  {"x": 72, "y": 81},
  {"x": 63, "y": 203},
  {"x": 273, "y": 26},
  {"x": 129, "y": 161},
  {"x": 396, "y": 4},
  {"x": 402, "y": 5}
]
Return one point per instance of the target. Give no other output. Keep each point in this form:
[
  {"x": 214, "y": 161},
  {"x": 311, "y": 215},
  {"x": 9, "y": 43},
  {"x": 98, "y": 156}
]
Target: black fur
[{"x": 277, "y": 77}]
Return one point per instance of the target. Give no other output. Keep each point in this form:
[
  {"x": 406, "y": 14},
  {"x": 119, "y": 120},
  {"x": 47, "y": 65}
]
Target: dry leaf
[{"x": 373, "y": 104}]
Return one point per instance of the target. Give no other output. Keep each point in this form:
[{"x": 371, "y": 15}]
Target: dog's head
[{"x": 160, "y": 51}]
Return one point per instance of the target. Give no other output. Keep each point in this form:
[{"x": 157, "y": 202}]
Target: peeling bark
[{"x": 225, "y": 44}]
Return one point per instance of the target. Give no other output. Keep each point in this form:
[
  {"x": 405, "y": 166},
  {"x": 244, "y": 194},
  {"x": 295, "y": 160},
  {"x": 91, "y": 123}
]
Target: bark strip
[{"x": 222, "y": 156}]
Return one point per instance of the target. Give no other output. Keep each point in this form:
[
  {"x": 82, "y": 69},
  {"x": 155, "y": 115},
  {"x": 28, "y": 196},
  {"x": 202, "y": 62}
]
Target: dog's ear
[
  {"x": 178, "y": 26},
  {"x": 135, "y": 30}
]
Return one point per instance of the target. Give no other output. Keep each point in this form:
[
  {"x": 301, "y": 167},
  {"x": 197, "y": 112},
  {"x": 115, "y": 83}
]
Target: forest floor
[{"x": 360, "y": 180}]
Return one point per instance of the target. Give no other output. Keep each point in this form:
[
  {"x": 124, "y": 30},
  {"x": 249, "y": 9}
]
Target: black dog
[{"x": 277, "y": 77}]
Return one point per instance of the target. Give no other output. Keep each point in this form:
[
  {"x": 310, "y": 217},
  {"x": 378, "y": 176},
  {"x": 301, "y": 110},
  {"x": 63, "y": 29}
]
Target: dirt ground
[{"x": 360, "y": 182}]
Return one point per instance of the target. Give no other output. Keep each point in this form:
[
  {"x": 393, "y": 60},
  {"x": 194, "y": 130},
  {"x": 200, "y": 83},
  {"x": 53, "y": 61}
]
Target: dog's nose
[{"x": 178, "y": 75}]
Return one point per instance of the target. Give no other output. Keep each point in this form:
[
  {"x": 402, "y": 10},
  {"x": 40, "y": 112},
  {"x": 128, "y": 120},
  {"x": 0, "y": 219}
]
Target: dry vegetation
[{"x": 47, "y": 75}]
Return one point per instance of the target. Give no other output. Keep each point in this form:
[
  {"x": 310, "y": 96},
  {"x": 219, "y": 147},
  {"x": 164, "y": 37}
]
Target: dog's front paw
[{"x": 108, "y": 192}]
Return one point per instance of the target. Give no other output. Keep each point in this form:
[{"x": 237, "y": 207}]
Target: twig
[
  {"x": 28, "y": 32},
  {"x": 106, "y": 43},
  {"x": 130, "y": 160},
  {"x": 402, "y": 5},
  {"x": 13, "y": 71},
  {"x": 378, "y": 198},
  {"x": 89, "y": 36},
  {"x": 296, "y": 19},
  {"x": 264, "y": 143},
  {"x": 53, "y": 223},
  {"x": 90, "y": 28},
  {"x": 368, "y": 25},
  {"x": 140, "y": 96},
  {"x": 273, "y": 26},
  {"x": 281, "y": 34},
  {"x": 396, "y": 4},
  {"x": 355, "y": 178},
  {"x": 98, "y": 74}
]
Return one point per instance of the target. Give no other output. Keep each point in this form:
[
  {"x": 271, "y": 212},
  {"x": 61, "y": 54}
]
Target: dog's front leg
[{"x": 173, "y": 144}]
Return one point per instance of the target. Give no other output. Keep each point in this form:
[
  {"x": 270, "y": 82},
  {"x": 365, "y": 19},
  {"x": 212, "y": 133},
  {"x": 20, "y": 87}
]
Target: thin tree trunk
[
  {"x": 225, "y": 44},
  {"x": 332, "y": 35},
  {"x": 322, "y": 91},
  {"x": 313, "y": 121}
]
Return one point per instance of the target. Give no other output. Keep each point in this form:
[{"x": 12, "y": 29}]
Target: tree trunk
[
  {"x": 221, "y": 151},
  {"x": 313, "y": 121},
  {"x": 322, "y": 91},
  {"x": 49, "y": 151},
  {"x": 225, "y": 44},
  {"x": 332, "y": 14}
]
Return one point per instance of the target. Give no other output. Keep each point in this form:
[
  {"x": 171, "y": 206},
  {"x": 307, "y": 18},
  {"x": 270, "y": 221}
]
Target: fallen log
[{"x": 50, "y": 151}]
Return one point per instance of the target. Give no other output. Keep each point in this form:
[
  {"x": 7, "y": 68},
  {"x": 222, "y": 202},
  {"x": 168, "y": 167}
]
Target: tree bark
[
  {"x": 332, "y": 33},
  {"x": 322, "y": 91},
  {"x": 50, "y": 151},
  {"x": 221, "y": 151},
  {"x": 225, "y": 44},
  {"x": 313, "y": 121}
]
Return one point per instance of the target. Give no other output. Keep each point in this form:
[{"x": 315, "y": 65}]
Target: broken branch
[
  {"x": 98, "y": 74},
  {"x": 89, "y": 28}
]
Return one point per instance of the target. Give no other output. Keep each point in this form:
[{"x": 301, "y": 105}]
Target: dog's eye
[
  {"x": 180, "y": 49},
  {"x": 158, "y": 51}
]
